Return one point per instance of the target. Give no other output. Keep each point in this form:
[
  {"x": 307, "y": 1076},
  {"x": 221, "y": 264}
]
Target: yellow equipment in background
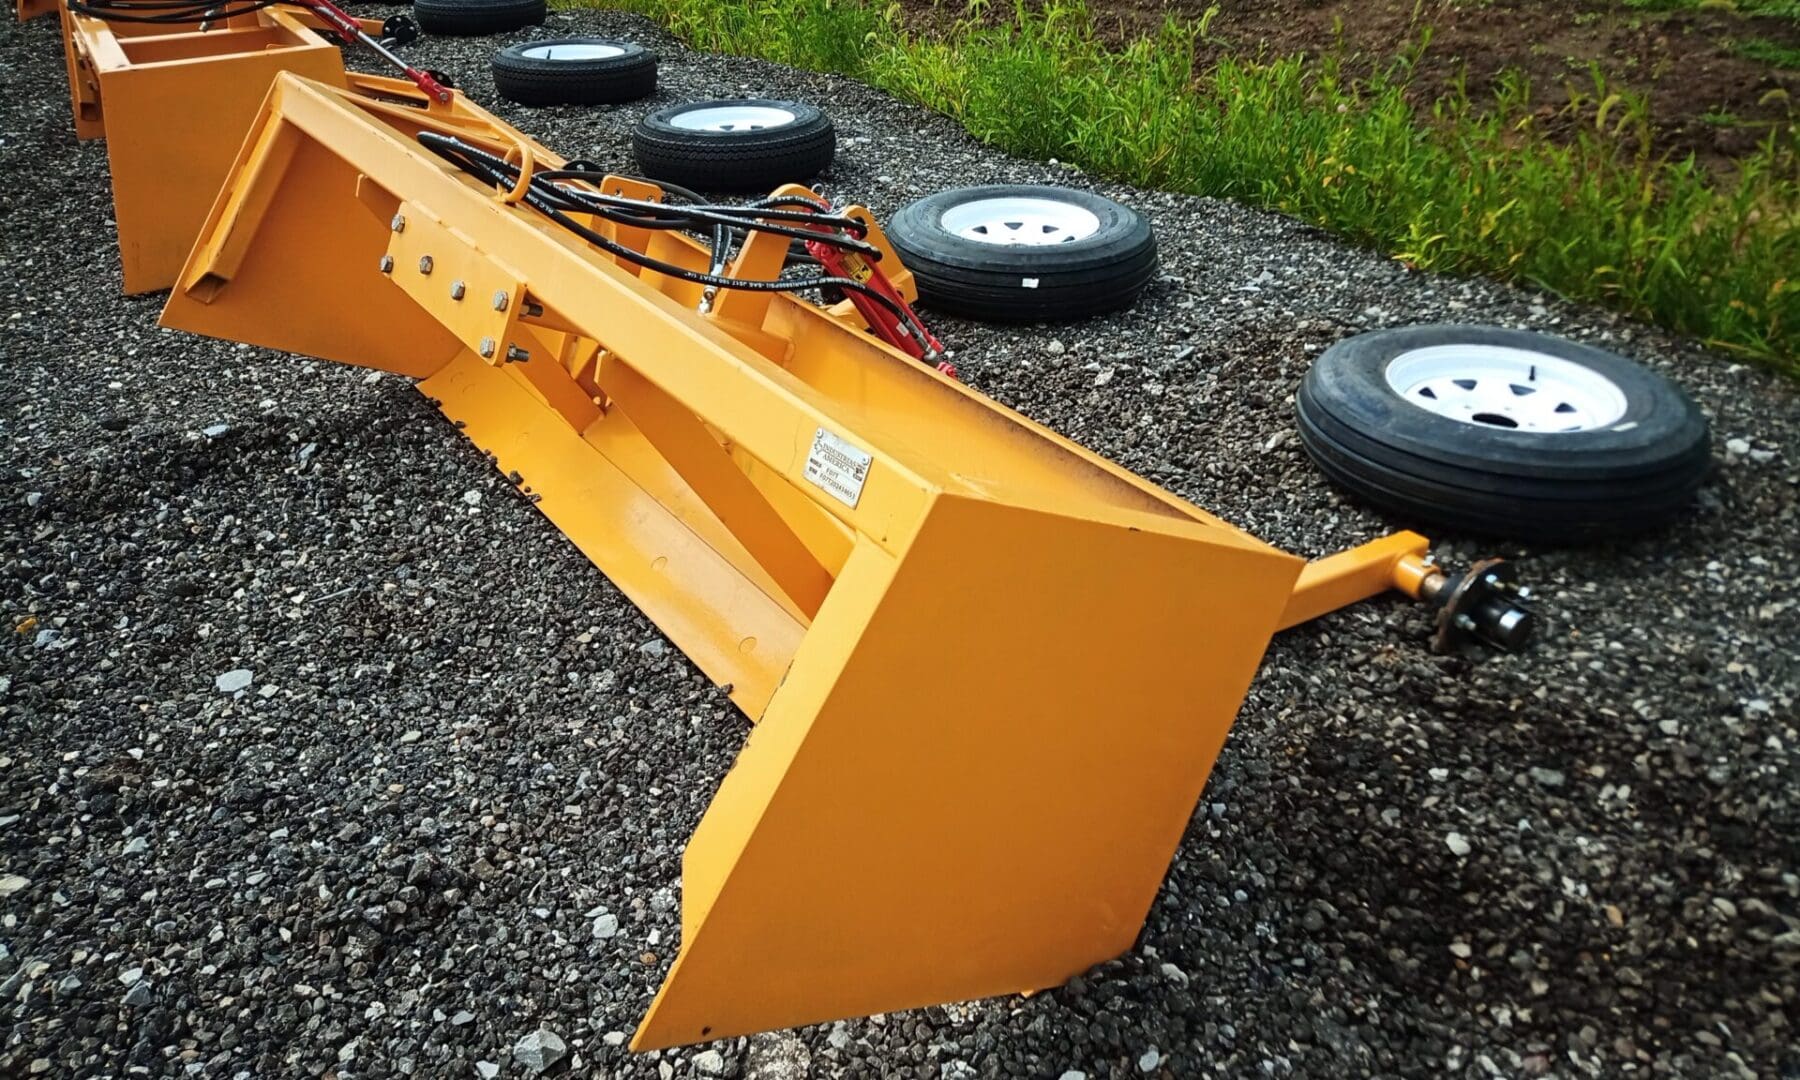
[
  {"x": 173, "y": 103},
  {"x": 26, "y": 10},
  {"x": 989, "y": 670}
]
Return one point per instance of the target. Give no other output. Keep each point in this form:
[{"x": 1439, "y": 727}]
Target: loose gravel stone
[
  {"x": 1547, "y": 777},
  {"x": 539, "y": 1050},
  {"x": 230, "y": 682},
  {"x": 298, "y": 838}
]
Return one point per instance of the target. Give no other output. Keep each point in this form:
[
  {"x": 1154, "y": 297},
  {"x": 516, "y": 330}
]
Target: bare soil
[{"x": 1706, "y": 98}]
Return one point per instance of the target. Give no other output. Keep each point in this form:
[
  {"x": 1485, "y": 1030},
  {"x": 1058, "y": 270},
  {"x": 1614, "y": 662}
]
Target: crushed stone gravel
[{"x": 321, "y": 753}]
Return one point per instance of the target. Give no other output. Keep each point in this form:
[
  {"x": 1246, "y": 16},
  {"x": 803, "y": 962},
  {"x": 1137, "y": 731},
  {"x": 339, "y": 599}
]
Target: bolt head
[
  {"x": 1464, "y": 622},
  {"x": 399, "y": 223},
  {"x": 487, "y": 348},
  {"x": 457, "y": 290},
  {"x": 425, "y": 264},
  {"x": 500, "y": 299},
  {"x": 387, "y": 264}
]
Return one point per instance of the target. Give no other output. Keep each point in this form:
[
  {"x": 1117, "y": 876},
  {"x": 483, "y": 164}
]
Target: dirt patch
[{"x": 1705, "y": 97}]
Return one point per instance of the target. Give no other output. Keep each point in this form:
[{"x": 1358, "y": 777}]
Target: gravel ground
[{"x": 458, "y": 759}]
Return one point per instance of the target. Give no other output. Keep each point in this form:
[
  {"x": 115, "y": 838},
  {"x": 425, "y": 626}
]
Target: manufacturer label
[{"x": 837, "y": 467}]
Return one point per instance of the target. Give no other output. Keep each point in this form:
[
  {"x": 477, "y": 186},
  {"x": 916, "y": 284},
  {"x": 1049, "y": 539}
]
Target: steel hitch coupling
[{"x": 1485, "y": 604}]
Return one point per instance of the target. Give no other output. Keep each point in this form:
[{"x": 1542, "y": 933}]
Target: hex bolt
[
  {"x": 516, "y": 355},
  {"x": 425, "y": 264},
  {"x": 1464, "y": 622},
  {"x": 487, "y": 348},
  {"x": 457, "y": 289},
  {"x": 399, "y": 223},
  {"x": 500, "y": 300},
  {"x": 1510, "y": 588},
  {"x": 387, "y": 264}
]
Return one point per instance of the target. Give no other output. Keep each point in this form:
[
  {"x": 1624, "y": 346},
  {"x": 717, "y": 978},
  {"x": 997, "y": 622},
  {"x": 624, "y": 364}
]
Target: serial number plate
[{"x": 837, "y": 467}]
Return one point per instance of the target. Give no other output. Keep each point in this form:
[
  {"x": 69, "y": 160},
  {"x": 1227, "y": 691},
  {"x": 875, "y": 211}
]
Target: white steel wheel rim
[
  {"x": 1506, "y": 389},
  {"x": 1020, "y": 221},
  {"x": 732, "y": 118},
  {"x": 575, "y": 50}
]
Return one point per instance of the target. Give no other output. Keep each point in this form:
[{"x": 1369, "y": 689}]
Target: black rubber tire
[
  {"x": 1014, "y": 283},
  {"x": 754, "y": 160},
  {"x": 536, "y": 80},
  {"x": 1634, "y": 474},
  {"x": 471, "y": 18}
]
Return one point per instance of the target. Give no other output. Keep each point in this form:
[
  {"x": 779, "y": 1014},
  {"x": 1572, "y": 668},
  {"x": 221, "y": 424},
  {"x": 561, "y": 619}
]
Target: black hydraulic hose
[
  {"x": 645, "y": 215},
  {"x": 797, "y": 253},
  {"x": 167, "y": 11},
  {"x": 648, "y": 215},
  {"x": 813, "y": 212},
  {"x": 722, "y": 235},
  {"x": 554, "y": 201}
]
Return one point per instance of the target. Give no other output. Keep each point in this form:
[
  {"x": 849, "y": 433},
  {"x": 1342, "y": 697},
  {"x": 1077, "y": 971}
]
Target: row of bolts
[{"x": 458, "y": 290}]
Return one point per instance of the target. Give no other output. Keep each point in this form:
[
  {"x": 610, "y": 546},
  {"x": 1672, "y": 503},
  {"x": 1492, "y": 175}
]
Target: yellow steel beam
[{"x": 1336, "y": 581}]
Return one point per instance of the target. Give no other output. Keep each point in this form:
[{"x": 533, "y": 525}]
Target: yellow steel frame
[
  {"x": 173, "y": 103},
  {"x": 31, "y": 9},
  {"x": 989, "y": 670}
]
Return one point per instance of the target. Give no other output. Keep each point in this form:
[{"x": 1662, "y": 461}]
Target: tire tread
[{"x": 1555, "y": 488}]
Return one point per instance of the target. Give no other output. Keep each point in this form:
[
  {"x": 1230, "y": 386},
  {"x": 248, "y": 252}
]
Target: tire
[
  {"x": 1024, "y": 253},
  {"x": 1539, "y": 439},
  {"x": 737, "y": 145},
  {"x": 469, "y": 18},
  {"x": 574, "y": 71}
]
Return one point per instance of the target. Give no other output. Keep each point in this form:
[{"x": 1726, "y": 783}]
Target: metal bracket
[{"x": 474, "y": 295}]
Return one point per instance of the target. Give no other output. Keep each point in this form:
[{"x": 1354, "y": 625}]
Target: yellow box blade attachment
[
  {"x": 173, "y": 102},
  {"x": 990, "y": 671}
]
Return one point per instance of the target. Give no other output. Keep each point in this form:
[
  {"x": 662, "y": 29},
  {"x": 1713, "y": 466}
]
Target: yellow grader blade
[
  {"x": 989, "y": 670},
  {"x": 173, "y": 103}
]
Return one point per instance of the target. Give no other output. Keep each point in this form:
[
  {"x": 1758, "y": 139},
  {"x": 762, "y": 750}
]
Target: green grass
[
  {"x": 1774, "y": 9},
  {"x": 1474, "y": 187},
  {"x": 1772, "y": 53}
]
